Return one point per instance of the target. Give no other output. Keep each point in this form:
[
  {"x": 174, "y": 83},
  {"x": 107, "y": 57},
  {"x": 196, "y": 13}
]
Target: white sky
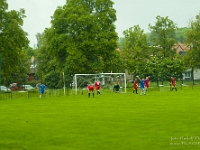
[{"x": 129, "y": 13}]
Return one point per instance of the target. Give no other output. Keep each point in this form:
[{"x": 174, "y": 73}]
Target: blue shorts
[
  {"x": 142, "y": 88},
  {"x": 42, "y": 92}
]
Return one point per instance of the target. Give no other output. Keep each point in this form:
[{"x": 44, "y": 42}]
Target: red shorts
[
  {"x": 97, "y": 87},
  {"x": 173, "y": 84},
  {"x": 90, "y": 88}
]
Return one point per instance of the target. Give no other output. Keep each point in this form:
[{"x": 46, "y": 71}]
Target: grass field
[{"x": 160, "y": 120}]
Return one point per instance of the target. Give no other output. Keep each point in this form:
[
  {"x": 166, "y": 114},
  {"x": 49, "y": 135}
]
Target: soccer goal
[{"x": 107, "y": 80}]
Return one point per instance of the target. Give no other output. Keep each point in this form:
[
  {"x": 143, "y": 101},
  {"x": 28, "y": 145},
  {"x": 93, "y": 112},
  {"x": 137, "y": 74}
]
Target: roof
[{"x": 181, "y": 47}]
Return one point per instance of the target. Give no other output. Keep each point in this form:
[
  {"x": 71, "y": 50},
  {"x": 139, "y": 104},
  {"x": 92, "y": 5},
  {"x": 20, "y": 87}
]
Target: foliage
[
  {"x": 135, "y": 51},
  {"x": 172, "y": 67},
  {"x": 30, "y": 52},
  {"x": 121, "y": 42},
  {"x": 45, "y": 61},
  {"x": 146, "y": 60},
  {"x": 91, "y": 32},
  {"x": 51, "y": 80},
  {"x": 163, "y": 35},
  {"x": 193, "y": 39},
  {"x": 159, "y": 67},
  {"x": 13, "y": 40},
  {"x": 180, "y": 34},
  {"x": 82, "y": 39}
]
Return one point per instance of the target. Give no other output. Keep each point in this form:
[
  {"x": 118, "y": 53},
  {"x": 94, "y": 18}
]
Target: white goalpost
[{"x": 107, "y": 80}]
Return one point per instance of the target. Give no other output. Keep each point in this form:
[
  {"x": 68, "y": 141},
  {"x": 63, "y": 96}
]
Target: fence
[
  {"x": 33, "y": 94},
  {"x": 157, "y": 84}
]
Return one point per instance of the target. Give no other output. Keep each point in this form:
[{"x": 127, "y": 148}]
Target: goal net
[{"x": 107, "y": 81}]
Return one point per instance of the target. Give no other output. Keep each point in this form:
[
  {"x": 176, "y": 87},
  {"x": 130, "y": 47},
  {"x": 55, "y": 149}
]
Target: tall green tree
[
  {"x": 48, "y": 68},
  {"x": 12, "y": 41},
  {"x": 82, "y": 39},
  {"x": 135, "y": 51},
  {"x": 163, "y": 35},
  {"x": 193, "y": 39},
  {"x": 192, "y": 57},
  {"x": 89, "y": 33}
]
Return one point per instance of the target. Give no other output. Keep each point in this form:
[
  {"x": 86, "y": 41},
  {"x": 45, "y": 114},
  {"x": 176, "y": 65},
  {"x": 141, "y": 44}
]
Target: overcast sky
[{"x": 129, "y": 13}]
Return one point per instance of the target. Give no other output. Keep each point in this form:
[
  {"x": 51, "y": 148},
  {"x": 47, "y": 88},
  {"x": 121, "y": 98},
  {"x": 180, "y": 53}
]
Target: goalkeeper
[{"x": 116, "y": 88}]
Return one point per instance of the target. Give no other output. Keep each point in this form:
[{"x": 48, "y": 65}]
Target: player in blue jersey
[
  {"x": 142, "y": 83},
  {"x": 42, "y": 89}
]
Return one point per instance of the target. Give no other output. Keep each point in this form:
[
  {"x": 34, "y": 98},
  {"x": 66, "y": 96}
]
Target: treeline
[
  {"x": 180, "y": 36},
  {"x": 83, "y": 39}
]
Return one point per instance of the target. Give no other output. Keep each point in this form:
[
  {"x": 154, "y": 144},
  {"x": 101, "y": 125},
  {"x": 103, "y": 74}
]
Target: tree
[
  {"x": 121, "y": 43},
  {"x": 163, "y": 35},
  {"x": 181, "y": 34},
  {"x": 193, "y": 39},
  {"x": 13, "y": 40},
  {"x": 82, "y": 39},
  {"x": 191, "y": 59},
  {"x": 135, "y": 50},
  {"x": 88, "y": 27},
  {"x": 47, "y": 66},
  {"x": 160, "y": 68},
  {"x": 30, "y": 51}
]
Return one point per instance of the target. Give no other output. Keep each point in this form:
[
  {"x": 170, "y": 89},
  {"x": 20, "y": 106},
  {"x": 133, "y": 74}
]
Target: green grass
[{"x": 111, "y": 121}]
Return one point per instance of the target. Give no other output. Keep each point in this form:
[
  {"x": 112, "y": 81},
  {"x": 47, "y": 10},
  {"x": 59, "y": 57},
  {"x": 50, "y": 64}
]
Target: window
[{"x": 188, "y": 74}]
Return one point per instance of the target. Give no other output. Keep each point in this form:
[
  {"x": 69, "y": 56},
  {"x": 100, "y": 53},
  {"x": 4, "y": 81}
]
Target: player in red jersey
[
  {"x": 98, "y": 86},
  {"x": 173, "y": 84},
  {"x": 90, "y": 88},
  {"x": 147, "y": 83},
  {"x": 135, "y": 86}
]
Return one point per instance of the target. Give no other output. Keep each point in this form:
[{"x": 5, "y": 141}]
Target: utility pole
[{"x": 1, "y": 59}]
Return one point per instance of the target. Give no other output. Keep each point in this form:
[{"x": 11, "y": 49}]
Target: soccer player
[
  {"x": 142, "y": 81},
  {"x": 173, "y": 84},
  {"x": 97, "y": 85},
  {"x": 135, "y": 86},
  {"x": 90, "y": 88},
  {"x": 147, "y": 83},
  {"x": 42, "y": 89},
  {"x": 116, "y": 88}
]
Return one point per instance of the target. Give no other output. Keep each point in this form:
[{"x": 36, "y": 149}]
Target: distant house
[
  {"x": 32, "y": 71},
  {"x": 181, "y": 48},
  {"x": 187, "y": 74}
]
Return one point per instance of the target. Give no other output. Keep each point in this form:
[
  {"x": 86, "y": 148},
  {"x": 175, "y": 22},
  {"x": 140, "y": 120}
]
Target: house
[
  {"x": 33, "y": 64},
  {"x": 181, "y": 48},
  {"x": 187, "y": 74}
]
